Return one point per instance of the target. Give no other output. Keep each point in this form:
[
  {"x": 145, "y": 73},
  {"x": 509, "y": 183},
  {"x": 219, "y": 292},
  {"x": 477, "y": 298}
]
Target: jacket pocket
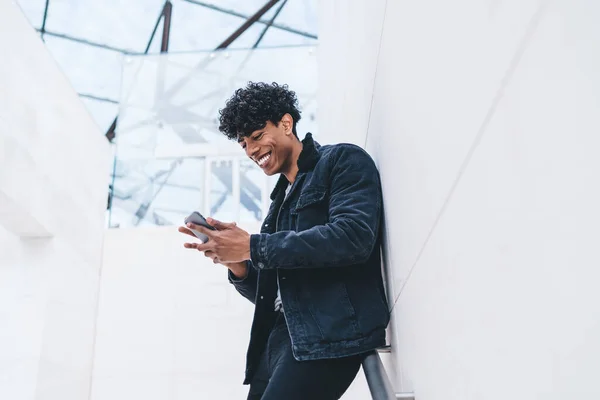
[
  {"x": 327, "y": 305},
  {"x": 311, "y": 209}
]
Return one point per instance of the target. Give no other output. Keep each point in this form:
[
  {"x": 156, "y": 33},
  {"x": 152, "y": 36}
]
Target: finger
[
  {"x": 211, "y": 254},
  {"x": 204, "y": 247},
  {"x": 185, "y": 230},
  {"x": 220, "y": 225},
  {"x": 198, "y": 246},
  {"x": 200, "y": 229}
]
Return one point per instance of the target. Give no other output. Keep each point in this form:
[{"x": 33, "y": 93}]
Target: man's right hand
[{"x": 240, "y": 269}]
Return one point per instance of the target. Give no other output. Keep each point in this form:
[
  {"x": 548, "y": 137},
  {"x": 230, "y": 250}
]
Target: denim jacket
[{"x": 322, "y": 246}]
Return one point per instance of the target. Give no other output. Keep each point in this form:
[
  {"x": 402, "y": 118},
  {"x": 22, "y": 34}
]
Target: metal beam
[
  {"x": 260, "y": 21},
  {"x": 167, "y": 11},
  {"x": 249, "y": 22},
  {"x": 262, "y": 34},
  {"x": 98, "y": 98},
  {"x": 43, "y": 28},
  {"x": 85, "y": 41},
  {"x": 110, "y": 133}
]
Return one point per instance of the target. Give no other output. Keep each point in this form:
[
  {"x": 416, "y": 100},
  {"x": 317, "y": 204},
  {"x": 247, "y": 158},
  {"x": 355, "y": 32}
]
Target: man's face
[{"x": 270, "y": 147}]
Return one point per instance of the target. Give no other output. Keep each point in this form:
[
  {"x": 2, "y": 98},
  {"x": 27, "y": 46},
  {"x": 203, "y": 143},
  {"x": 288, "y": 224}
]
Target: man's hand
[{"x": 227, "y": 245}]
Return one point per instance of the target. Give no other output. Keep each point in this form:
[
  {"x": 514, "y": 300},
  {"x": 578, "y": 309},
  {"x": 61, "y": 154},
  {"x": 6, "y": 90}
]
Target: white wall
[
  {"x": 170, "y": 325},
  {"x": 484, "y": 124},
  {"x": 349, "y": 33},
  {"x": 53, "y": 187}
]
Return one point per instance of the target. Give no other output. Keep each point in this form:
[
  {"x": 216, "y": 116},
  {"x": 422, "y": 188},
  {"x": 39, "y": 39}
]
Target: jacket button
[
  {"x": 261, "y": 265},
  {"x": 261, "y": 297}
]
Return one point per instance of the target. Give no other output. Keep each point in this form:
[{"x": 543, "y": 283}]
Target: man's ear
[{"x": 288, "y": 123}]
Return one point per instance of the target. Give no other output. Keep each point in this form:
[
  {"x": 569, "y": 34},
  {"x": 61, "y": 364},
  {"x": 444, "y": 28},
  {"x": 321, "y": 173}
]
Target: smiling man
[{"x": 314, "y": 270}]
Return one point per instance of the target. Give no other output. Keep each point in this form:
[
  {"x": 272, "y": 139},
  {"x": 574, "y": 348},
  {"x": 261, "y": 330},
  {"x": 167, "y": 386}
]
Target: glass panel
[
  {"x": 78, "y": 60},
  {"x": 103, "y": 113},
  {"x": 156, "y": 192},
  {"x": 169, "y": 116},
  {"x": 279, "y": 38},
  {"x": 34, "y": 11},
  {"x": 222, "y": 205},
  {"x": 300, "y": 15},
  {"x": 180, "y": 94},
  {"x": 116, "y": 23},
  {"x": 253, "y": 191},
  {"x": 197, "y": 28},
  {"x": 127, "y": 25},
  {"x": 246, "y": 7}
]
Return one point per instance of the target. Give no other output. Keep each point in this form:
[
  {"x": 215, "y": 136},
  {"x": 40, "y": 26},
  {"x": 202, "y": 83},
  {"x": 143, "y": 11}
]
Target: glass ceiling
[
  {"x": 171, "y": 157},
  {"x": 89, "y": 38},
  {"x": 99, "y": 45}
]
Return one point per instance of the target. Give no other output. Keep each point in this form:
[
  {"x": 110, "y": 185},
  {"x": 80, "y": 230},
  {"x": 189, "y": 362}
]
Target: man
[{"x": 314, "y": 271}]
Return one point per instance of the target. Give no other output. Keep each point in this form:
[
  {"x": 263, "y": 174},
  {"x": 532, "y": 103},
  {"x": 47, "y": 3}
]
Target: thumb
[{"x": 220, "y": 225}]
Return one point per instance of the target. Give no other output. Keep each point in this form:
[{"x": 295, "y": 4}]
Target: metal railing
[{"x": 378, "y": 381}]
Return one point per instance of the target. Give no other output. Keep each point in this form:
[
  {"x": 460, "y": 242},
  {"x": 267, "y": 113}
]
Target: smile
[{"x": 263, "y": 160}]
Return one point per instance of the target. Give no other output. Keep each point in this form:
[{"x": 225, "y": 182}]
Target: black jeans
[{"x": 281, "y": 377}]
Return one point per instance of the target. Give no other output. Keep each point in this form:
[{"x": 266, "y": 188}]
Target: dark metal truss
[
  {"x": 165, "y": 15},
  {"x": 259, "y": 21}
]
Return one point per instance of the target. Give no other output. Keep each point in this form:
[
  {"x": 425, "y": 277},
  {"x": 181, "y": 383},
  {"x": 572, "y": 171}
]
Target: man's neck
[{"x": 292, "y": 171}]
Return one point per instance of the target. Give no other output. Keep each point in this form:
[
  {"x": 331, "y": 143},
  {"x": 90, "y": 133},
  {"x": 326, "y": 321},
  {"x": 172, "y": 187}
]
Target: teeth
[{"x": 263, "y": 160}]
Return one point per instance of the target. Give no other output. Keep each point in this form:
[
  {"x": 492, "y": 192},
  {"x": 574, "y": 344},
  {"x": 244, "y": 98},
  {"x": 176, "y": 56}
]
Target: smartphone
[{"x": 198, "y": 219}]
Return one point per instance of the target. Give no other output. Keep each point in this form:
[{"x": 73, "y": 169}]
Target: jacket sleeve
[
  {"x": 246, "y": 286},
  {"x": 348, "y": 238}
]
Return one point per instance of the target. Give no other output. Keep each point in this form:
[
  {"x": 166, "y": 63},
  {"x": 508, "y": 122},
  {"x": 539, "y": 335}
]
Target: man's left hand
[{"x": 228, "y": 244}]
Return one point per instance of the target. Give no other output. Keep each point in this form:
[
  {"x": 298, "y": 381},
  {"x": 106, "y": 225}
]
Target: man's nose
[{"x": 251, "y": 150}]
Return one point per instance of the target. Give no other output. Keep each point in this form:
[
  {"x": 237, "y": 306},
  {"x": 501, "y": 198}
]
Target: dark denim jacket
[{"x": 323, "y": 246}]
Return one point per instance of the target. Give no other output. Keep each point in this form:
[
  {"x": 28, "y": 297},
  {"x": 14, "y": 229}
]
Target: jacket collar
[{"x": 306, "y": 161}]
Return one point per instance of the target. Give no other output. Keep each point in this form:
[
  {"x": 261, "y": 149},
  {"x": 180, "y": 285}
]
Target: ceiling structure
[
  {"x": 171, "y": 156},
  {"x": 89, "y": 39},
  {"x": 109, "y": 50}
]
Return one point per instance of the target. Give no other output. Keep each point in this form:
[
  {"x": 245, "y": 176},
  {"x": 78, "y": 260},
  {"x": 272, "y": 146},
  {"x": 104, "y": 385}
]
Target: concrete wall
[
  {"x": 53, "y": 186},
  {"x": 484, "y": 124},
  {"x": 170, "y": 326}
]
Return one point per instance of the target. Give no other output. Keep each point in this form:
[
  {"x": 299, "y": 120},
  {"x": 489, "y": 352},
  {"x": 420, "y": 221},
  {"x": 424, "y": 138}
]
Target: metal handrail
[{"x": 378, "y": 380}]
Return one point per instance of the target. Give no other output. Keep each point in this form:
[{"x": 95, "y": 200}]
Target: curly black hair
[{"x": 251, "y": 107}]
